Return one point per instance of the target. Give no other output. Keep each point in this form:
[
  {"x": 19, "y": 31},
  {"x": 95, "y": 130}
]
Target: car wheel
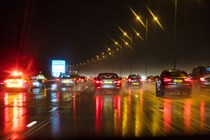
[
  {"x": 158, "y": 92},
  {"x": 161, "y": 92}
]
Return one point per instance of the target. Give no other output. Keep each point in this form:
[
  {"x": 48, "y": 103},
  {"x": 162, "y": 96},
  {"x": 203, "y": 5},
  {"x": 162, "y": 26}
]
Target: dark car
[
  {"x": 83, "y": 79},
  {"x": 173, "y": 81},
  {"x": 108, "y": 81},
  {"x": 201, "y": 76},
  {"x": 134, "y": 80},
  {"x": 151, "y": 78}
]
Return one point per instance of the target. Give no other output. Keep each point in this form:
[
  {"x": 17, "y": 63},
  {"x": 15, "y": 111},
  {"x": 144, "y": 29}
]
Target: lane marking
[
  {"x": 31, "y": 124},
  {"x": 54, "y": 108}
]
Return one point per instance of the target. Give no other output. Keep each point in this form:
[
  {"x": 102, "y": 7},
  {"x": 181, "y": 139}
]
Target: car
[
  {"x": 107, "y": 81},
  {"x": 37, "y": 83},
  {"x": 83, "y": 78},
  {"x": 17, "y": 81},
  {"x": 66, "y": 80},
  {"x": 151, "y": 78},
  {"x": 134, "y": 80},
  {"x": 173, "y": 80},
  {"x": 200, "y": 76}
]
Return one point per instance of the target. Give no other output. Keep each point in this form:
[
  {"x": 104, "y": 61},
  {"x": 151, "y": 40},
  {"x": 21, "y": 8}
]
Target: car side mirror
[{"x": 158, "y": 77}]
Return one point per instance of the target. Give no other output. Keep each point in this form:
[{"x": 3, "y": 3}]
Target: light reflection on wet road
[{"x": 79, "y": 112}]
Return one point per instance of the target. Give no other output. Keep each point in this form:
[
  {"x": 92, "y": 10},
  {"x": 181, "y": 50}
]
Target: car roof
[
  {"x": 108, "y": 73},
  {"x": 174, "y": 70}
]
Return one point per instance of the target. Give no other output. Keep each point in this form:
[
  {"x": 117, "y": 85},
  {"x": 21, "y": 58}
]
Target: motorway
[{"x": 78, "y": 112}]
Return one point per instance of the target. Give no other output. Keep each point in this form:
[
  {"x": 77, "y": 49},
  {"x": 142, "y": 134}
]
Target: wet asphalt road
[{"x": 80, "y": 113}]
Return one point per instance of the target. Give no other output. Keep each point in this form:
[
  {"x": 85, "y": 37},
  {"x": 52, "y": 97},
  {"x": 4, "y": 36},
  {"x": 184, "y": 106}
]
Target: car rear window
[
  {"x": 176, "y": 74},
  {"x": 207, "y": 70},
  {"x": 133, "y": 76},
  {"x": 64, "y": 76},
  {"x": 107, "y": 76}
]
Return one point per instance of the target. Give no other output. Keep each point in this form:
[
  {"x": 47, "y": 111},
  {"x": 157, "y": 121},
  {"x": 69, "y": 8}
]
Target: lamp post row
[{"x": 146, "y": 39}]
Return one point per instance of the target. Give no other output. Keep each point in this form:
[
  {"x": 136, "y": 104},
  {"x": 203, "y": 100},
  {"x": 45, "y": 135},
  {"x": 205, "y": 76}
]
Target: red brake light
[
  {"x": 16, "y": 73},
  {"x": 99, "y": 82},
  {"x": 57, "y": 79},
  {"x": 140, "y": 79},
  {"x": 167, "y": 79},
  {"x": 187, "y": 80},
  {"x": 129, "y": 79},
  {"x": 202, "y": 79},
  {"x": 117, "y": 82}
]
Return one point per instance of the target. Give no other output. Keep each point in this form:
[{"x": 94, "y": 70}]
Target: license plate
[
  {"x": 14, "y": 82},
  {"x": 135, "y": 83},
  {"x": 66, "y": 81},
  {"x": 178, "y": 81},
  {"x": 108, "y": 82}
]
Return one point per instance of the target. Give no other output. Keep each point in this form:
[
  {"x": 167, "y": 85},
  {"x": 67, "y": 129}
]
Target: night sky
[{"x": 79, "y": 30}]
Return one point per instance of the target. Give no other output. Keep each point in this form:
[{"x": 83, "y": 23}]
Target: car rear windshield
[
  {"x": 207, "y": 70},
  {"x": 107, "y": 76},
  {"x": 63, "y": 76},
  {"x": 176, "y": 74},
  {"x": 133, "y": 76}
]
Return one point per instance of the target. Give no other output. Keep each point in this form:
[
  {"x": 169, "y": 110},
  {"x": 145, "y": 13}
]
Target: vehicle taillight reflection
[
  {"x": 14, "y": 118},
  {"x": 117, "y": 105},
  {"x": 98, "y": 113},
  {"x": 202, "y": 114},
  {"x": 187, "y": 115},
  {"x": 167, "y": 115}
]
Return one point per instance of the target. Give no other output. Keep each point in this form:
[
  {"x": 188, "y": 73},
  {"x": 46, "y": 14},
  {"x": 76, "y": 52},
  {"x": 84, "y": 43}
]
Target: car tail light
[
  {"x": 117, "y": 81},
  {"x": 57, "y": 80},
  {"x": 140, "y": 79},
  {"x": 99, "y": 82},
  {"x": 187, "y": 80},
  {"x": 167, "y": 79},
  {"x": 129, "y": 79},
  {"x": 202, "y": 79}
]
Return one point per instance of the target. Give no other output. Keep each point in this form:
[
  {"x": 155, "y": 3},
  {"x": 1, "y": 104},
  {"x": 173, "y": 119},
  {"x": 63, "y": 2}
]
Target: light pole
[
  {"x": 110, "y": 53},
  {"x": 116, "y": 43},
  {"x": 131, "y": 44},
  {"x": 146, "y": 37},
  {"x": 175, "y": 15}
]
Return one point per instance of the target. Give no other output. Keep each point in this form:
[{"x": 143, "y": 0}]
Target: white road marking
[
  {"x": 31, "y": 124},
  {"x": 54, "y": 108}
]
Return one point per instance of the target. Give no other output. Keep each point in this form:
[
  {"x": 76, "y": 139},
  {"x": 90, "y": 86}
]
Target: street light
[
  {"x": 145, "y": 24},
  {"x": 110, "y": 52},
  {"x": 131, "y": 46}
]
